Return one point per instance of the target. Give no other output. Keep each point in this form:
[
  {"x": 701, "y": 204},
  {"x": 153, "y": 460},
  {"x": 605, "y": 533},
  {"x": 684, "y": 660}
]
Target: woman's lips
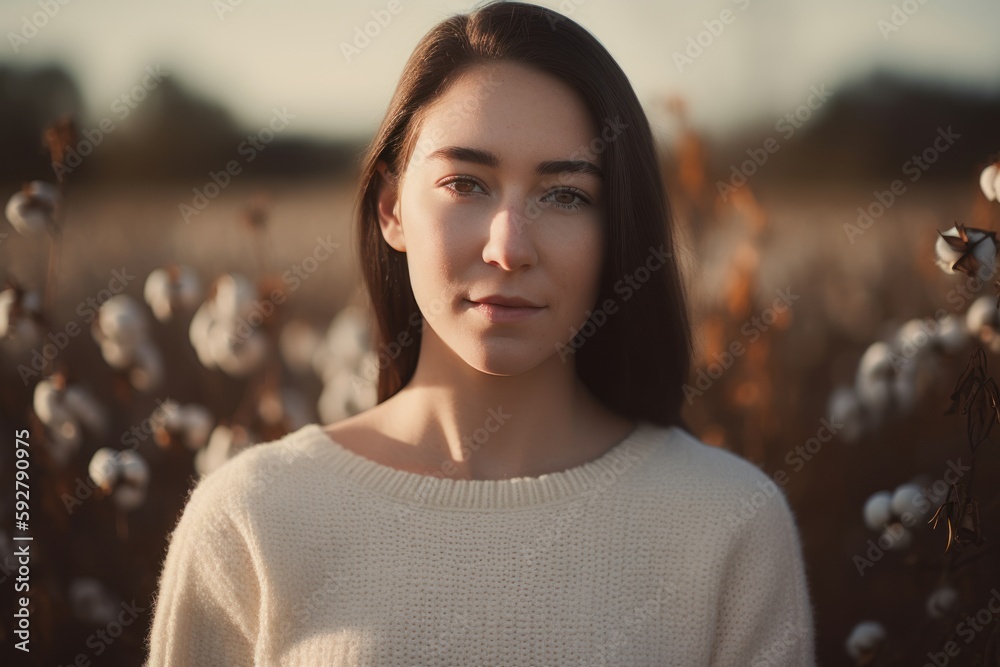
[{"x": 505, "y": 314}]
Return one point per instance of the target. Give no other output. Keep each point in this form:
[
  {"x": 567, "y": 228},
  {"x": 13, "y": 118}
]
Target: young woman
[{"x": 525, "y": 492}]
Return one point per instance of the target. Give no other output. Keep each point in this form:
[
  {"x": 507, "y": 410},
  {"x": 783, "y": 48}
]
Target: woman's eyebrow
[{"x": 484, "y": 157}]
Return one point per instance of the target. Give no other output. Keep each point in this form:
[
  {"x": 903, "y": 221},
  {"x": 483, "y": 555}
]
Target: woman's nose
[{"x": 510, "y": 241}]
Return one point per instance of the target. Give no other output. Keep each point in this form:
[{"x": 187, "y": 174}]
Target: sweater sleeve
[
  {"x": 765, "y": 616},
  {"x": 205, "y": 611}
]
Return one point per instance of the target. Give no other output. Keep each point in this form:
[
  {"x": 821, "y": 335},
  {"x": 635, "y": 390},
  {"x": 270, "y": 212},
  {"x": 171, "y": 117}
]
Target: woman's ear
[{"x": 388, "y": 208}]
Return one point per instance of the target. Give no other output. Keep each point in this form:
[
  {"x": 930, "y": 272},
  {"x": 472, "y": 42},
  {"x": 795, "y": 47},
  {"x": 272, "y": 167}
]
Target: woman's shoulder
[
  {"x": 262, "y": 468},
  {"x": 703, "y": 473}
]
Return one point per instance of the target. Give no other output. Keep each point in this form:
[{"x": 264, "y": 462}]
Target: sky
[{"x": 304, "y": 56}]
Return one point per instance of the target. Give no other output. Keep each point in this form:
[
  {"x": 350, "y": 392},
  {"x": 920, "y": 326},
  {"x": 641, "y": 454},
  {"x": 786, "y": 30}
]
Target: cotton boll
[
  {"x": 91, "y": 602},
  {"x": 347, "y": 340},
  {"x": 156, "y": 292},
  {"x": 989, "y": 181},
  {"x": 8, "y": 298},
  {"x": 865, "y": 639},
  {"x": 63, "y": 429},
  {"x": 873, "y": 382},
  {"x": 942, "y": 601},
  {"x": 47, "y": 403},
  {"x": 982, "y": 313},
  {"x": 133, "y": 468},
  {"x": 951, "y": 334},
  {"x": 878, "y": 510},
  {"x": 914, "y": 339},
  {"x": 984, "y": 250},
  {"x": 945, "y": 255},
  {"x": 169, "y": 288},
  {"x": 104, "y": 469},
  {"x": 130, "y": 492},
  {"x": 122, "y": 319},
  {"x": 234, "y": 296},
  {"x": 844, "y": 407},
  {"x": 167, "y": 415},
  {"x": 18, "y": 310},
  {"x": 32, "y": 208},
  {"x": 983, "y": 319},
  {"x": 238, "y": 357},
  {"x": 200, "y": 333},
  {"x": 191, "y": 423},
  {"x": 876, "y": 361},
  {"x": 907, "y": 499}
]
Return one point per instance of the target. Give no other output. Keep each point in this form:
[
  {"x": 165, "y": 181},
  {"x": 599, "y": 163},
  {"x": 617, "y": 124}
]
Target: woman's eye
[
  {"x": 461, "y": 186},
  {"x": 571, "y": 199}
]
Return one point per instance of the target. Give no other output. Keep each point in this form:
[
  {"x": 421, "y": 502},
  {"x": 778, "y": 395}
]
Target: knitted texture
[{"x": 663, "y": 551}]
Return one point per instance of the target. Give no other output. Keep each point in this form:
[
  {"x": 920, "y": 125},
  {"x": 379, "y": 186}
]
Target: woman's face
[{"x": 519, "y": 226}]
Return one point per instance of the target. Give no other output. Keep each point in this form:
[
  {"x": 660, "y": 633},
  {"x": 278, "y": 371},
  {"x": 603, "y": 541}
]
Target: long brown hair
[{"x": 635, "y": 360}]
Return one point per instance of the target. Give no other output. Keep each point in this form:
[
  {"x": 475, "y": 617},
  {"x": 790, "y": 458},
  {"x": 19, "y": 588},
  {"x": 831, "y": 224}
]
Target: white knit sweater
[{"x": 663, "y": 551}]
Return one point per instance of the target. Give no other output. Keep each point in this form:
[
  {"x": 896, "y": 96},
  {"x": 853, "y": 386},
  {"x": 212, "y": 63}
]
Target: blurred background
[{"x": 181, "y": 175}]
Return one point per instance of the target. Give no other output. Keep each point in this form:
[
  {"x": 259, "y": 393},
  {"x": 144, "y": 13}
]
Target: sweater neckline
[{"x": 518, "y": 492}]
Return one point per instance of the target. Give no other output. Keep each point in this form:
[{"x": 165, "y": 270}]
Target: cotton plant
[
  {"x": 345, "y": 345},
  {"x": 220, "y": 332},
  {"x": 966, "y": 250},
  {"x": 893, "y": 376},
  {"x": 190, "y": 424},
  {"x": 347, "y": 365},
  {"x": 959, "y": 251},
  {"x": 21, "y": 320},
  {"x": 879, "y": 517},
  {"x": 890, "y": 512},
  {"x": 34, "y": 208},
  {"x": 172, "y": 289},
  {"x": 66, "y": 410},
  {"x": 121, "y": 328},
  {"x": 124, "y": 475}
]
